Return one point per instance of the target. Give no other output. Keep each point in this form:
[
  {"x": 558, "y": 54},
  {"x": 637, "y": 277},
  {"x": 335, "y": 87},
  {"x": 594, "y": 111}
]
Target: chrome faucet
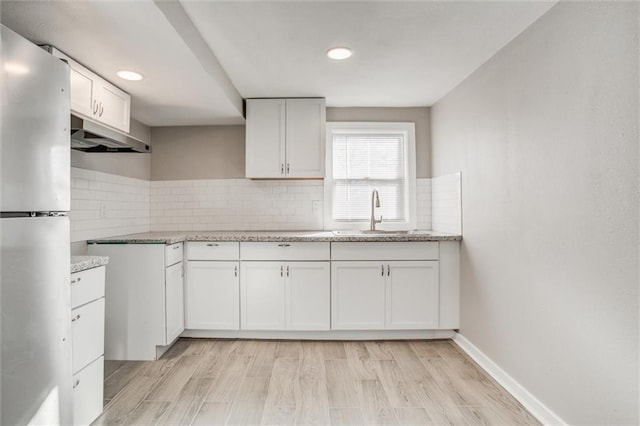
[{"x": 375, "y": 198}]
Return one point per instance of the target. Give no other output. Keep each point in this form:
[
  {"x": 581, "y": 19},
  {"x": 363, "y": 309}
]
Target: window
[{"x": 362, "y": 157}]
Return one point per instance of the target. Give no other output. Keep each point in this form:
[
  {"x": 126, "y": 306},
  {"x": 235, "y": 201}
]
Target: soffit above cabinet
[{"x": 200, "y": 58}]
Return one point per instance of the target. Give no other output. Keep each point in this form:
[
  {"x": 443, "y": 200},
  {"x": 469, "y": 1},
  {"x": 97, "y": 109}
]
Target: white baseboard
[
  {"x": 322, "y": 335},
  {"x": 530, "y": 402}
]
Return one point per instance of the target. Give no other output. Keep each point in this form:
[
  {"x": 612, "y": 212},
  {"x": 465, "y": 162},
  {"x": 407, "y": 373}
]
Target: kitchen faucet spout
[{"x": 375, "y": 202}]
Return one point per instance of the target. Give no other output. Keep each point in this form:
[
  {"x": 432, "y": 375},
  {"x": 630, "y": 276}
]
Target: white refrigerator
[{"x": 35, "y": 314}]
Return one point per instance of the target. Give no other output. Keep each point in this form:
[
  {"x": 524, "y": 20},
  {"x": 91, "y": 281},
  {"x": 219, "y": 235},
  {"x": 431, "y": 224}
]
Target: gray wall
[
  {"x": 218, "y": 152},
  {"x": 197, "y": 152},
  {"x": 546, "y": 136}
]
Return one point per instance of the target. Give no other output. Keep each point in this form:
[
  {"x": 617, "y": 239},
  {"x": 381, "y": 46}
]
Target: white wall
[{"x": 546, "y": 136}]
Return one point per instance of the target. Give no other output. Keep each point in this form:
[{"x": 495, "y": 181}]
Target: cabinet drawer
[
  {"x": 173, "y": 254},
  {"x": 87, "y": 286},
  {"x": 88, "y": 333},
  {"x": 285, "y": 251},
  {"x": 213, "y": 250},
  {"x": 419, "y": 250},
  {"x": 88, "y": 393}
]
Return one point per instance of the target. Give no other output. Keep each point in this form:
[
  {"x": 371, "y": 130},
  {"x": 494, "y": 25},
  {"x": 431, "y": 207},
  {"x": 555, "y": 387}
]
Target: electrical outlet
[{"x": 315, "y": 206}]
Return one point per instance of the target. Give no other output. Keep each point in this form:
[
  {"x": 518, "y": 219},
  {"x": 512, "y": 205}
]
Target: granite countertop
[
  {"x": 274, "y": 236},
  {"x": 82, "y": 263}
]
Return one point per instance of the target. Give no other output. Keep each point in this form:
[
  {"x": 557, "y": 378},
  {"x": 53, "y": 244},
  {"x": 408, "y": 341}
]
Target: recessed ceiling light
[
  {"x": 339, "y": 53},
  {"x": 129, "y": 75}
]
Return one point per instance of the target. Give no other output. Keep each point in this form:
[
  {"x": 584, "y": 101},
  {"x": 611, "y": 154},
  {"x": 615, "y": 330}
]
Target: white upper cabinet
[
  {"x": 285, "y": 138},
  {"x": 95, "y": 98}
]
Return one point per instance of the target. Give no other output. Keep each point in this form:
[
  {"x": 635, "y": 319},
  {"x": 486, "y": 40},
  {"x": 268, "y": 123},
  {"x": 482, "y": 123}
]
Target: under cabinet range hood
[{"x": 89, "y": 136}]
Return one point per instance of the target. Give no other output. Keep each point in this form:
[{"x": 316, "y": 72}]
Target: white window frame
[{"x": 408, "y": 129}]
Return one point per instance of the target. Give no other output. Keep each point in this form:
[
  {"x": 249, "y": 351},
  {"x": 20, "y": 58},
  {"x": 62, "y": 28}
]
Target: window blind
[{"x": 363, "y": 162}]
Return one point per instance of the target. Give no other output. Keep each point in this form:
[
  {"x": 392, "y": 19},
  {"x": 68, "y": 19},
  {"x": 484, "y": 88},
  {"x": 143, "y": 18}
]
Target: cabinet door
[
  {"x": 83, "y": 91},
  {"x": 412, "y": 295},
  {"x": 357, "y": 296},
  {"x": 87, "y": 325},
  {"x": 262, "y": 296},
  {"x": 174, "y": 302},
  {"x": 212, "y": 296},
  {"x": 265, "y": 138},
  {"x": 305, "y": 138},
  {"x": 307, "y": 295},
  {"x": 114, "y": 105},
  {"x": 88, "y": 391}
]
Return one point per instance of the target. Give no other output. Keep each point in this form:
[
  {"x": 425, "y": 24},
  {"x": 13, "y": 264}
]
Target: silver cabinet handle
[
  {"x": 212, "y": 245},
  {"x": 76, "y": 318},
  {"x": 101, "y": 109},
  {"x": 382, "y": 270},
  {"x": 235, "y": 270},
  {"x": 388, "y": 270},
  {"x": 284, "y": 245},
  {"x": 282, "y": 168},
  {"x": 182, "y": 271},
  {"x": 76, "y": 384},
  {"x": 287, "y": 270},
  {"x": 176, "y": 247},
  {"x": 77, "y": 280},
  {"x": 281, "y": 270},
  {"x": 95, "y": 107},
  {"x": 287, "y": 168}
]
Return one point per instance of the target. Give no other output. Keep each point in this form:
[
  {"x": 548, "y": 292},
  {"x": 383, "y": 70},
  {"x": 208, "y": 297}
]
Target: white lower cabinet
[
  {"x": 285, "y": 295},
  {"x": 377, "y": 295},
  {"x": 357, "y": 296},
  {"x": 87, "y": 328},
  {"x": 174, "y": 301},
  {"x": 145, "y": 298},
  {"x": 213, "y": 296},
  {"x": 88, "y": 393}
]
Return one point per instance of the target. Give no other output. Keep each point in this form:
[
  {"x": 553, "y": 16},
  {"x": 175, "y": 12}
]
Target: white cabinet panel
[
  {"x": 357, "y": 296},
  {"x": 174, "y": 301},
  {"x": 173, "y": 254},
  {"x": 114, "y": 106},
  {"x": 399, "y": 250},
  {"x": 285, "y": 250},
  {"x": 412, "y": 295},
  {"x": 307, "y": 295},
  {"x": 86, "y": 286},
  {"x": 213, "y": 295},
  {"x": 88, "y": 393},
  {"x": 305, "y": 137},
  {"x": 214, "y": 250},
  {"x": 265, "y": 140},
  {"x": 88, "y": 333},
  {"x": 262, "y": 296},
  {"x": 82, "y": 86},
  {"x": 285, "y": 138}
]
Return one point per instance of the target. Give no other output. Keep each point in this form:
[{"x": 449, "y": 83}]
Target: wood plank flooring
[{"x": 256, "y": 382}]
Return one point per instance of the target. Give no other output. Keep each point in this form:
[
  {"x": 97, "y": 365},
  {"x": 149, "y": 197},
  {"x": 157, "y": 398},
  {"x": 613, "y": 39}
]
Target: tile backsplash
[{"x": 106, "y": 205}]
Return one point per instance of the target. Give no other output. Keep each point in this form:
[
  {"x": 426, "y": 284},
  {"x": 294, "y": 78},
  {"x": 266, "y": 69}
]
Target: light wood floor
[{"x": 251, "y": 382}]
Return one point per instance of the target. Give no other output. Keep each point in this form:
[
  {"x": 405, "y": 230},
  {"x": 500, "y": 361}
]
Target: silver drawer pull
[
  {"x": 76, "y": 384},
  {"x": 176, "y": 247},
  {"x": 284, "y": 245},
  {"x": 77, "y": 280},
  {"x": 287, "y": 270},
  {"x": 212, "y": 245},
  {"x": 235, "y": 270},
  {"x": 76, "y": 318},
  {"x": 281, "y": 270},
  {"x": 388, "y": 270},
  {"x": 382, "y": 270}
]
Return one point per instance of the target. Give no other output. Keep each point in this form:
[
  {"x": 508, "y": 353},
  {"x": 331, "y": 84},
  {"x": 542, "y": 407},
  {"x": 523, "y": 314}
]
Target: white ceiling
[{"x": 405, "y": 53}]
